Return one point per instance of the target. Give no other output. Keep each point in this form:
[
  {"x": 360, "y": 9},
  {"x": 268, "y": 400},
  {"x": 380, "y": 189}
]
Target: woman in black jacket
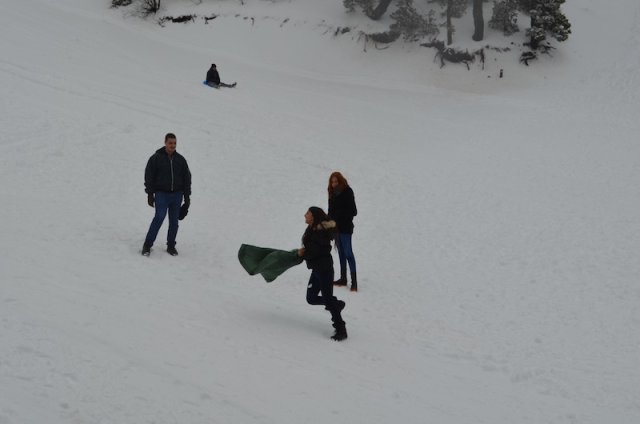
[
  {"x": 342, "y": 209},
  {"x": 317, "y": 254}
]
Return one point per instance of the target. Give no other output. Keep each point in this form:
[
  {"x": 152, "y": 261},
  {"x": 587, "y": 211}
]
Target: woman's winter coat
[
  {"x": 317, "y": 246},
  {"x": 342, "y": 209}
]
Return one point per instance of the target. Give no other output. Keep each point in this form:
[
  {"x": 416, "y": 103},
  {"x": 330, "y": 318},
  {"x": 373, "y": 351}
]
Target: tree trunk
[
  {"x": 380, "y": 10},
  {"x": 533, "y": 40},
  {"x": 449, "y": 23},
  {"x": 478, "y": 21}
]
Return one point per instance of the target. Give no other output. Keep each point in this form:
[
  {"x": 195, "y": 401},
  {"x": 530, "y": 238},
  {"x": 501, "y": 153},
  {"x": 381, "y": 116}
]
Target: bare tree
[{"x": 150, "y": 7}]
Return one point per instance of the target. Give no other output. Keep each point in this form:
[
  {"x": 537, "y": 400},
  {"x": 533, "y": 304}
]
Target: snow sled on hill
[{"x": 222, "y": 84}]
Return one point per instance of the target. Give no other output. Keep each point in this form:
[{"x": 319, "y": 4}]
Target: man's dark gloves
[
  {"x": 150, "y": 199},
  {"x": 184, "y": 209}
]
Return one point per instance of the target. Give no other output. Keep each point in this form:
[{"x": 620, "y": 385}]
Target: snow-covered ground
[{"x": 497, "y": 240}]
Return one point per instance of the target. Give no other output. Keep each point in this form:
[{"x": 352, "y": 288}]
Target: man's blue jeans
[{"x": 165, "y": 202}]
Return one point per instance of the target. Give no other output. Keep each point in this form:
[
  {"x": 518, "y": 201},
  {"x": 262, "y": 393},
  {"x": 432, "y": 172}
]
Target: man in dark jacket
[
  {"x": 213, "y": 78},
  {"x": 167, "y": 181}
]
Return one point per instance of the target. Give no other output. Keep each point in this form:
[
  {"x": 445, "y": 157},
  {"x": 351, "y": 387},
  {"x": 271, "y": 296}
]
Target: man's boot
[
  {"x": 146, "y": 249},
  {"x": 354, "y": 282},
  {"x": 171, "y": 249}
]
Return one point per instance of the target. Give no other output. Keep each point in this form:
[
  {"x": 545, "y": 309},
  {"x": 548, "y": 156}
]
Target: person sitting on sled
[{"x": 213, "y": 78}]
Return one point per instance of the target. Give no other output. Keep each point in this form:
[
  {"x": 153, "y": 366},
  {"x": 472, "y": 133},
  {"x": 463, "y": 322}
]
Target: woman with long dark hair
[
  {"x": 317, "y": 254},
  {"x": 342, "y": 209}
]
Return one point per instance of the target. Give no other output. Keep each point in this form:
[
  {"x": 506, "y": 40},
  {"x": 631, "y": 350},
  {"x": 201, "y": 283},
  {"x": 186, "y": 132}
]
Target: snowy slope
[{"x": 497, "y": 240}]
